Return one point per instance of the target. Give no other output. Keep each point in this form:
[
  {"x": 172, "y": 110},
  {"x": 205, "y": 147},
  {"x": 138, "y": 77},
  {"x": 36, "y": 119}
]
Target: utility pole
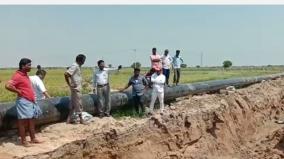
[
  {"x": 201, "y": 59},
  {"x": 134, "y": 50}
]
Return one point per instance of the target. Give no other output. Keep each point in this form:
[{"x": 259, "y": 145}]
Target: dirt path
[
  {"x": 56, "y": 135},
  {"x": 231, "y": 125}
]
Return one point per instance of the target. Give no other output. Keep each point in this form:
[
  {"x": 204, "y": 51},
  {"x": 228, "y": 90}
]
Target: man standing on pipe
[
  {"x": 167, "y": 62},
  {"x": 102, "y": 88},
  {"x": 177, "y": 61},
  {"x": 155, "y": 60},
  {"x": 27, "y": 109},
  {"x": 73, "y": 78}
]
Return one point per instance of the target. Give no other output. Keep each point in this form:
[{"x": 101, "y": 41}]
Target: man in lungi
[{"x": 27, "y": 109}]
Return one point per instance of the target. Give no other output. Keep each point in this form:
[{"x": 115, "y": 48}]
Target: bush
[
  {"x": 227, "y": 64},
  {"x": 183, "y": 65},
  {"x": 136, "y": 65}
]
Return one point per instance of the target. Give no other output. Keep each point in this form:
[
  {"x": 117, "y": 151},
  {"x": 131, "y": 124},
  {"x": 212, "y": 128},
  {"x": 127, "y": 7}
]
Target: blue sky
[{"x": 54, "y": 35}]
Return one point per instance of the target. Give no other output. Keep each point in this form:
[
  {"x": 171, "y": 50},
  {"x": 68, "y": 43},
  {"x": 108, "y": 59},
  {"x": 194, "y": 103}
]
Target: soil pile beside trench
[{"x": 230, "y": 125}]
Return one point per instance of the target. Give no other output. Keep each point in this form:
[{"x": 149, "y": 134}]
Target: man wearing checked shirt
[{"x": 102, "y": 88}]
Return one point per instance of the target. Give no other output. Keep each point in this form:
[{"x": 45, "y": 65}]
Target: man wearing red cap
[{"x": 158, "y": 80}]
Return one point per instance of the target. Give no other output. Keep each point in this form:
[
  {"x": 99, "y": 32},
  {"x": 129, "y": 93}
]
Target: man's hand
[
  {"x": 12, "y": 88},
  {"x": 145, "y": 89},
  {"x": 72, "y": 86},
  {"x": 19, "y": 92},
  {"x": 46, "y": 95}
]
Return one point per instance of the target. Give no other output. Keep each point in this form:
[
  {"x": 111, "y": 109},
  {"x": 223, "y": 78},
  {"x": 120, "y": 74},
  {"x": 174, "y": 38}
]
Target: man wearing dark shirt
[{"x": 138, "y": 83}]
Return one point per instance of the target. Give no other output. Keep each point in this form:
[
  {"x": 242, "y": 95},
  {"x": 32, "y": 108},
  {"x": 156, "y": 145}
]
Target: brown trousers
[{"x": 75, "y": 102}]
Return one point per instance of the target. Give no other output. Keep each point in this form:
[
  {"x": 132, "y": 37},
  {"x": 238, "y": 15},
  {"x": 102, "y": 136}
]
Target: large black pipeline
[{"x": 56, "y": 109}]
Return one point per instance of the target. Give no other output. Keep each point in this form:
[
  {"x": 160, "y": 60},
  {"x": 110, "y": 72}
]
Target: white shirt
[
  {"x": 101, "y": 77},
  {"x": 158, "y": 82},
  {"x": 177, "y": 61},
  {"x": 38, "y": 87},
  {"x": 167, "y": 61}
]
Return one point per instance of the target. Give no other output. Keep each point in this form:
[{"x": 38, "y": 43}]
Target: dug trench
[{"x": 236, "y": 124}]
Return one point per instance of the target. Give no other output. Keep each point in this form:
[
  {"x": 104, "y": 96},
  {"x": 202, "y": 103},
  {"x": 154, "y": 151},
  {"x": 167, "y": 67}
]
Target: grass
[{"x": 56, "y": 85}]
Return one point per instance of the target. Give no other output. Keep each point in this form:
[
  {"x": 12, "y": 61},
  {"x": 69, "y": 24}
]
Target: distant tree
[
  {"x": 183, "y": 65},
  {"x": 136, "y": 65},
  {"x": 227, "y": 64},
  {"x": 109, "y": 65},
  {"x": 197, "y": 66}
]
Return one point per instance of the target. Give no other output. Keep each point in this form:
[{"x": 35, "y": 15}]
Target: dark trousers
[
  {"x": 166, "y": 72},
  {"x": 138, "y": 101},
  {"x": 104, "y": 105},
  {"x": 176, "y": 75}
]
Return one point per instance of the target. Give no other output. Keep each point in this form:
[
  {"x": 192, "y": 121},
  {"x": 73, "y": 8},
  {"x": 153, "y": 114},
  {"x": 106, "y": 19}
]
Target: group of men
[
  {"x": 166, "y": 62},
  {"x": 158, "y": 77},
  {"x": 31, "y": 89},
  {"x": 160, "y": 66},
  {"x": 101, "y": 86}
]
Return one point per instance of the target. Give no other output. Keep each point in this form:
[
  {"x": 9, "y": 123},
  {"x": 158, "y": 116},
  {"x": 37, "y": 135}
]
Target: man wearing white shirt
[
  {"x": 102, "y": 88},
  {"x": 38, "y": 86},
  {"x": 177, "y": 61},
  {"x": 158, "y": 80},
  {"x": 166, "y": 62}
]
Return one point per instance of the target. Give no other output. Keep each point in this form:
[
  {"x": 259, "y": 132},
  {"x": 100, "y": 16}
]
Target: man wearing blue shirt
[
  {"x": 177, "y": 61},
  {"x": 138, "y": 83}
]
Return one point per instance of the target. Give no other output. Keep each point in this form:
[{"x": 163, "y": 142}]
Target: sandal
[
  {"x": 36, "y": 141},
  {"x": 26, "y": 144}
]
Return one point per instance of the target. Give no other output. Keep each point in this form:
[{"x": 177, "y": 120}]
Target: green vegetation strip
[{"x": 56, "y": 85}]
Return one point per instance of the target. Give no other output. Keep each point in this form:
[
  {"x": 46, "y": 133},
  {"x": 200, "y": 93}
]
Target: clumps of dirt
[
  {"x": 57, "y": 135},
  {"x": 272, "y": 146},
  {"x": 233, "y": 125}
]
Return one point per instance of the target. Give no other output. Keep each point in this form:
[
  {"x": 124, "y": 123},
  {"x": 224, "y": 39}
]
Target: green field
[{"x": 56, "y": 86}]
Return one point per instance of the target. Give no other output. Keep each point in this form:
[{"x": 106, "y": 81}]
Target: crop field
[{"x": 56, "y": 85}]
